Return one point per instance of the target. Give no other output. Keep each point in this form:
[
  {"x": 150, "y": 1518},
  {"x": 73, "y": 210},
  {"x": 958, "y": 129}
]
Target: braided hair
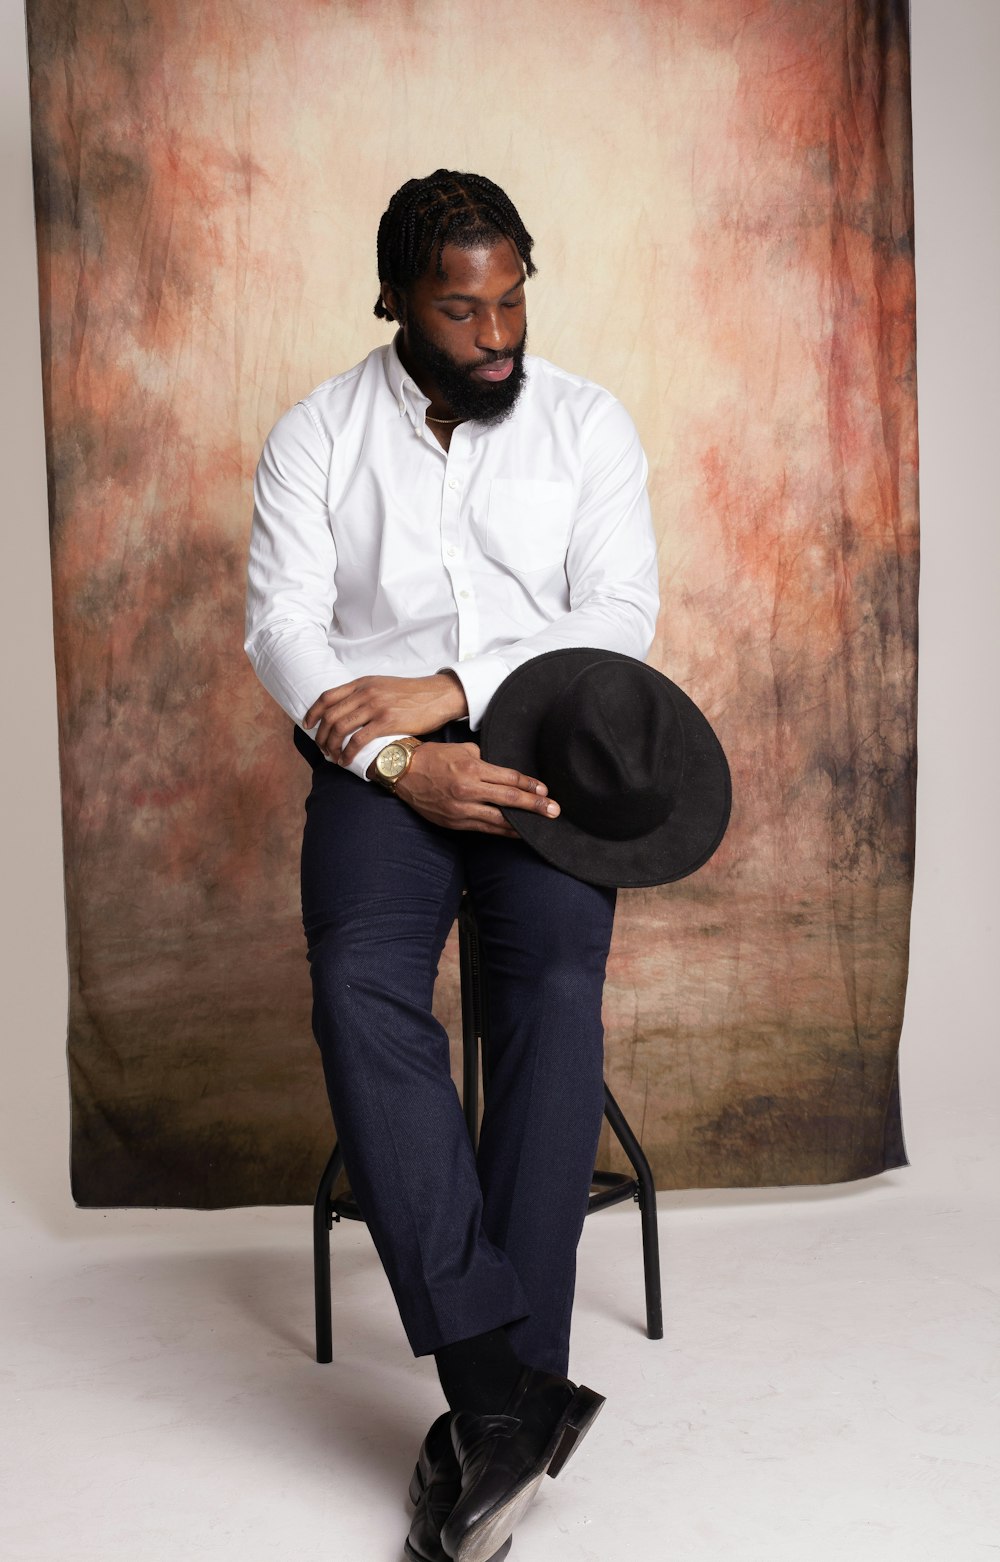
[{"x": 443, "y": 208}]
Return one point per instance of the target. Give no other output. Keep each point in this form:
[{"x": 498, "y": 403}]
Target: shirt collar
[{"x": 407, "y": 394}]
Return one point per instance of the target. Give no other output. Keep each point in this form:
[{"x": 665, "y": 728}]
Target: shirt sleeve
[
  {"x": 611, "y": 565},
  {"x": 291, "y": 576}
]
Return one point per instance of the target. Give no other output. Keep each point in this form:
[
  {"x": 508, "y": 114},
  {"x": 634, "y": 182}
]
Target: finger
[
  {"x": 322, "y": 740},
  {"x": 510, "y": 797},
  {"x": 325, "y": 731},
  {"x": 315, "y": 711},
  {"x": 334, "y": 728},
  {"x": 497, "y": 775},
  {"x": 328, "y": 700},
  {"x": 352, "y": 749},
  {"x": 500, "y": 775},
  {"x": 363, "y": 735},
  {"x": 337, "y": 727}
]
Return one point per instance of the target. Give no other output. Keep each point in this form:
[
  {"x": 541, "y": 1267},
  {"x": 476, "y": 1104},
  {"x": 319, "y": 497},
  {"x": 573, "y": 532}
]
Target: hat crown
[{"x": 611, "y": 750}]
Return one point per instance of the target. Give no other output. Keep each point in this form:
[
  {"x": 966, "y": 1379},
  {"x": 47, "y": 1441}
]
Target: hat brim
[{"x": 671, "y": 851}]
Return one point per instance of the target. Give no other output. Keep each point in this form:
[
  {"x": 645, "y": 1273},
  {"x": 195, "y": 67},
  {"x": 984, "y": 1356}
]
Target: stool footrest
[
  {"x": 345, "y": 1208},
  {"x": 615, "y": 1188}
]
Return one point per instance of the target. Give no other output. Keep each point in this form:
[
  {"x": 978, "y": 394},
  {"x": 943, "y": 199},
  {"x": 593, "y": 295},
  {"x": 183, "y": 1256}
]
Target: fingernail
[
  {"x": 552, "y": 809},
  {"x": 541, "y": 789}
]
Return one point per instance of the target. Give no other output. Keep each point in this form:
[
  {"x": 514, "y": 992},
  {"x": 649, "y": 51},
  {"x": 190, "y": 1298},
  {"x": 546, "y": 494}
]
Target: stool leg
[
  {"x": 646, "y": 1193},
  {"x": 321, "y": 1257}
]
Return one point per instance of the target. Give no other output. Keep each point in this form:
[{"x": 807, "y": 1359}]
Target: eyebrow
[{"x": 471, "y": 298}]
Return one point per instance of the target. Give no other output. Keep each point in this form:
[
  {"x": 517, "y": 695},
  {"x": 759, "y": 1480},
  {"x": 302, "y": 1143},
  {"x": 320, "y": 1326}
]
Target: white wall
[
  {"x": 949, "y": 1054},
  {"x": 949, "y": 1059}
]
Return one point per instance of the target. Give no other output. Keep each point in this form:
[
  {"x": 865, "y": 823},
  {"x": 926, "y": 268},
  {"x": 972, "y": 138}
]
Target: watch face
[{"x": 391, "y": 762}]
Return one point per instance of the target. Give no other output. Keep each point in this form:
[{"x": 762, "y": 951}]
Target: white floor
[{"x": 827, "y": 1387}]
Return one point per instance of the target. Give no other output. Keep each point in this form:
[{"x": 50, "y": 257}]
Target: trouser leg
[
  {"x": 545, "y": 939},
  {"x": 380, "y": 890}
]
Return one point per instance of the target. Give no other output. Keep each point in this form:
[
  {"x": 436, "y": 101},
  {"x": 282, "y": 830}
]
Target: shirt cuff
[
  {"x": 359, "y": 764},
  {"x": 480, "y": 677}
]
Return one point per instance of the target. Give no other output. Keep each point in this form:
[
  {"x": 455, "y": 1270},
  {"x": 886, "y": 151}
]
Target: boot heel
[
  {"x": 580, "y": 1415},
  {"x": 416, "y": 1486}
]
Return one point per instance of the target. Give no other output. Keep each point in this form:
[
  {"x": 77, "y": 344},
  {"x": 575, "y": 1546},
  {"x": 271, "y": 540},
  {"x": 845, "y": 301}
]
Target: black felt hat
[{"x": 639, "y": 775}]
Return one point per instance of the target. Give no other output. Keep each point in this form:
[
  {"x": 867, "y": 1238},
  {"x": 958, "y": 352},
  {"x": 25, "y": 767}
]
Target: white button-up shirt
[{"x": 374, "y": 550}]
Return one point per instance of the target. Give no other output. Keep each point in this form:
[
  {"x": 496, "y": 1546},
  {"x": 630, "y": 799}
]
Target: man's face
[{"x": 464, "y": 333}]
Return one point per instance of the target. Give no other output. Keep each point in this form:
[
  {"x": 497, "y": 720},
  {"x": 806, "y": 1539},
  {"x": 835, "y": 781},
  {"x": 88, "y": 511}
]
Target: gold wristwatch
[{"x": 392, "y": 762}]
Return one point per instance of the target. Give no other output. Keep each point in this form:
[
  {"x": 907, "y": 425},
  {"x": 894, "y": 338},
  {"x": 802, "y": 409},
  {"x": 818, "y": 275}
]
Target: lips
[{"x": 493, "y": 372}]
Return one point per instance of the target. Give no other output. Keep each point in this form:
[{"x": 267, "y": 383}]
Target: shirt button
[
  {"x": 452, "y": 552},
  {"x": 463, "y": 593},
  {"x": 452, "y": 483}
]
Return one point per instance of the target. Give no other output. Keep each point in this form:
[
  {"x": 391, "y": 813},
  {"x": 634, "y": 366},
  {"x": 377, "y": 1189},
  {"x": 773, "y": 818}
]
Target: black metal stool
[{"x": 607, "y": 1187}]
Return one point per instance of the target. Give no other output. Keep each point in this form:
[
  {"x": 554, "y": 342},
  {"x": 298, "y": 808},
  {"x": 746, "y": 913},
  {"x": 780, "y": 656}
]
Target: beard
[{"x": 477, "y": 400}]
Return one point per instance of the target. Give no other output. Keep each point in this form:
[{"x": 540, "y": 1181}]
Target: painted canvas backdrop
[{"x": 720, "y": 197}]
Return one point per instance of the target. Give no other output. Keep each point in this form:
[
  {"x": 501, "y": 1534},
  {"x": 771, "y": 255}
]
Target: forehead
[{"x": 484, "y": 271}]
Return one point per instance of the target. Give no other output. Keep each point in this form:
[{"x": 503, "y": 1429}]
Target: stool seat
[{"x": 607, "y": 1187}]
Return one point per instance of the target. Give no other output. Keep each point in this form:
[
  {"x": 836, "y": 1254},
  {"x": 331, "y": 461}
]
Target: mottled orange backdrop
[{"x": 720, "y": 196}]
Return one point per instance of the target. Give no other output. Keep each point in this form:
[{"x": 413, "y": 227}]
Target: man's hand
[
  {"x": 448, "y": 784},
  {"x": 379, "y": 706}
]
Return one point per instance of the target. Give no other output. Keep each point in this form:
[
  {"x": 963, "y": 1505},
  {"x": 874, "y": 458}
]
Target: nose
[{"x": 493, "y": 334}]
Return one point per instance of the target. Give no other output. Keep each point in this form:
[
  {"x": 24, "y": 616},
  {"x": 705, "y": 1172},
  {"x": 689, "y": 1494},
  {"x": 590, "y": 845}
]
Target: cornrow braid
[{"x": 445, "y": 207}]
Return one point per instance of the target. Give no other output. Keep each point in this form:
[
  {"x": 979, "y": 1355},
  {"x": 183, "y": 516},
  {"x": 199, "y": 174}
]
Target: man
[{"x": 424, "y": 524}]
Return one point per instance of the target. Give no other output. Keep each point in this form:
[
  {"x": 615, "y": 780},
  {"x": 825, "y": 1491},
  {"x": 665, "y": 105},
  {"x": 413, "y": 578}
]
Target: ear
[{"x": 394, "y": 303}]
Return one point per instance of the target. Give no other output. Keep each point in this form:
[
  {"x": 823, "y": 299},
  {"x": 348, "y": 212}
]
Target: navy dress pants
[{"x": 469, "y": 1242}]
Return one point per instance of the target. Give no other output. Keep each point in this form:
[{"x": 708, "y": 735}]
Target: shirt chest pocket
[{"x": 528, "y": 523}]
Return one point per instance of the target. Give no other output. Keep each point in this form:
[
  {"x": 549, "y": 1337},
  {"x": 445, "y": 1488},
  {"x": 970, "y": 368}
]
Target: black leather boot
[
  {"x": 435, "y": 1487},
  {"x": 502, "y": 1459}
]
